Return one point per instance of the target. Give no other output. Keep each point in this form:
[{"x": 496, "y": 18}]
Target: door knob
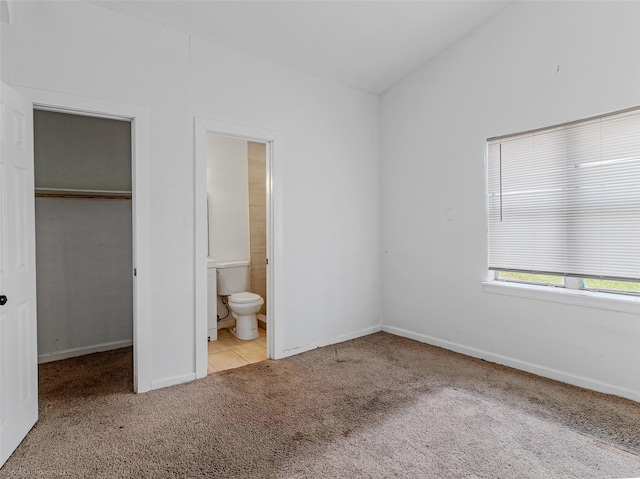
[{"x": 3, "y": 300}]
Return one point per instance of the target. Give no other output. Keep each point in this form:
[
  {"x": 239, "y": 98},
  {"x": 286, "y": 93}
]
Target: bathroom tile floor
[{"x": 228, "y": 352}]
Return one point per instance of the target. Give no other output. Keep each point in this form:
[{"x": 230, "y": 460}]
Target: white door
[{"x": 18, "y": 340}]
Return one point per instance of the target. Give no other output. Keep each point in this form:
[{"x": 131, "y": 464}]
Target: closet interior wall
[{"x": 83, "y": 234}]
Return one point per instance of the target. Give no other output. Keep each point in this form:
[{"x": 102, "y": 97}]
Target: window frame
[
  {"x": 611, "y": 302},
  {"x": 572, "y": 285}
]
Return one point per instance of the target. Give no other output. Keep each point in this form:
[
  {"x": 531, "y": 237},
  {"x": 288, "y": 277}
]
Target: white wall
[
  {"x": 329, "y": 162},
  {"x": 228, "y": 191},
  {"x": 533, "y": 65},
  {"x": 84, "y": 282}
]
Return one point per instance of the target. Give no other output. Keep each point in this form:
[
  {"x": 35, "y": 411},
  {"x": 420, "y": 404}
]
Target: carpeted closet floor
[{"x": 374, "y": 407}]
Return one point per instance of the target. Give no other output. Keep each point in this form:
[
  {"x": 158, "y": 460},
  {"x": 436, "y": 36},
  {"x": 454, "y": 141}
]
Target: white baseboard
[
  {"x": 81, "y": 351},
  {"x": 172, "y": 381},
  {"x": 543, "y": 371},
  {"x": 328, "y": 341}
]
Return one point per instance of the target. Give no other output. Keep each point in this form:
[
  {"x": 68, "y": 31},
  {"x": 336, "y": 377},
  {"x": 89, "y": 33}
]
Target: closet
[{"x": 83, "y": 234}]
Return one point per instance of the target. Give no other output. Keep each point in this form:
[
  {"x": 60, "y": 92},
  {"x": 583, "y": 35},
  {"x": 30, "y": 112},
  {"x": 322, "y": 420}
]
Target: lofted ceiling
[{"x": 368, "y": 45}]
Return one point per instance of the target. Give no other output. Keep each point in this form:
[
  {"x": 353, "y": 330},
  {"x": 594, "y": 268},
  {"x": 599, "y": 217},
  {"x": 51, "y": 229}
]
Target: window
[{"x": 564, "y": 204}]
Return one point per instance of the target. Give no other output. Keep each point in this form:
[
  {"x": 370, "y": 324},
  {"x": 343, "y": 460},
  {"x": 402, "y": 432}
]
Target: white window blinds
[{"x": 566, "y": 200}]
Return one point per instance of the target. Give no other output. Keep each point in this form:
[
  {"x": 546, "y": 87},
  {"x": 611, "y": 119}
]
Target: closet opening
[{"x": 84, "y": 251}]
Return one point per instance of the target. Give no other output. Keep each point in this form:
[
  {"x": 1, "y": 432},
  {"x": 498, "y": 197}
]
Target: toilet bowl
[
  {"x": 244, "y": 307},
  {"x": 233, "y": 282}
]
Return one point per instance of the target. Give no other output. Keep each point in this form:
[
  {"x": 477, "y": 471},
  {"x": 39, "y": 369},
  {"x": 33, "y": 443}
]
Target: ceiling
[{"x": 368, "y": 45}]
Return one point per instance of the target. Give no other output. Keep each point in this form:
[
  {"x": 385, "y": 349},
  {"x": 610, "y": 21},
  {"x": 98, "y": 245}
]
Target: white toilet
[{"x": 233, "y": 281}]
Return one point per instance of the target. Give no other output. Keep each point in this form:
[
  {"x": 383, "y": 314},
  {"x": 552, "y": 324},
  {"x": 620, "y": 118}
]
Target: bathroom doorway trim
[
  {"x": 272, "y": 139},
  {"x": 139, "y": 117}
]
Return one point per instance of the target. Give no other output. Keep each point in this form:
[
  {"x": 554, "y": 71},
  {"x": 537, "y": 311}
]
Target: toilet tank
[{"x": 232, "y": 277}]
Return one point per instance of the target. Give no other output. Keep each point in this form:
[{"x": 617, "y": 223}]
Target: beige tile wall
[{"x": 258, "y": 219}]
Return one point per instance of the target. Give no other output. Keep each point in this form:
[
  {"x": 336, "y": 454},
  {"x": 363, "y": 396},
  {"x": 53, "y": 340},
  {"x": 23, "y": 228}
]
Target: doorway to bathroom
[
  {"x": 237, "y": 251},
  {"x": 237, "y": 230}
]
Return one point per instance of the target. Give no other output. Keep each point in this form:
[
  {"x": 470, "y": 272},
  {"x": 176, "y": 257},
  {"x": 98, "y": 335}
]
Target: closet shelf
[{"x": 76, "y": 193}]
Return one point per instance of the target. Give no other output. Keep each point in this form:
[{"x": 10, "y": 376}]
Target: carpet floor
[{"x": 380, "y": 406}]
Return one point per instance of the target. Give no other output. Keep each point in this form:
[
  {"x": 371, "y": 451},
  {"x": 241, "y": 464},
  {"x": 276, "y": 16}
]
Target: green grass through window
[
  {"x": 609, "y": 285},
  {"x": 531, "y": 278},
  {"x": 592, "y": 284}
]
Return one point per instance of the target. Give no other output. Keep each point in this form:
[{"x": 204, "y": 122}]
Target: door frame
[
  {"x": 140, "y": 171},
  {"x": 275, "y": 306}
]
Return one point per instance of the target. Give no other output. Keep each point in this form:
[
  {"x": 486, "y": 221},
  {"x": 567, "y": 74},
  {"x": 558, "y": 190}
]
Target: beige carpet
[{"x": 375, "y": 407}]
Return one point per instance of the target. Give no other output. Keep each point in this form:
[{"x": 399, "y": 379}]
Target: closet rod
[{"x": 86, "y": 194}]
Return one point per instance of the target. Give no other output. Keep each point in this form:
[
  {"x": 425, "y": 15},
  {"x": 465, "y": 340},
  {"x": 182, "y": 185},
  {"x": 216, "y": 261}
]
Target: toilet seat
[{"x": 242, "y": 298}]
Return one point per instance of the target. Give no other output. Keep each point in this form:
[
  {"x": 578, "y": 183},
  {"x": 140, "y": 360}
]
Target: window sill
[{"x": 585, "y": 299}]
